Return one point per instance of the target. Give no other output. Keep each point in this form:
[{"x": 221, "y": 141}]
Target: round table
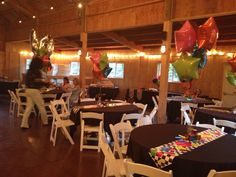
[
  {"x": 112, "y": 114},
  {"x": 219, "y": 154}
]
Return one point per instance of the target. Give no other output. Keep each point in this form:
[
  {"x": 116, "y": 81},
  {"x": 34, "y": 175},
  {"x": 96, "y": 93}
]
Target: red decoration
[
  {"x": 207, "y": 34},
  {"x": 185, "y": 38},
  {"x": 232, "y": 62}
]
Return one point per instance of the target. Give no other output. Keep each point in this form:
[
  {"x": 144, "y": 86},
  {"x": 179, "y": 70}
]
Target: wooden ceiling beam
[
  {"x": 68, "y": 42},
  {"x": 122, "y": 40},
  {"x": 25, "y": 9}
]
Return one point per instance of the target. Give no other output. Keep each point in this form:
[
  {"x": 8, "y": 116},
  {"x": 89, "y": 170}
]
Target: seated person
[
  {"x": 75, "y": 91},
  {"x": 66, "y": 86},
  {"x": 105, "y": 82}
]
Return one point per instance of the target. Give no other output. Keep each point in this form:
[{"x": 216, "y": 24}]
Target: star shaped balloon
[
  {"x": 207, "y": 34},
  {"x": 185, "y": 38},
  {"x": 232, "y": 63},
  {"x": 187, "y": 68}
]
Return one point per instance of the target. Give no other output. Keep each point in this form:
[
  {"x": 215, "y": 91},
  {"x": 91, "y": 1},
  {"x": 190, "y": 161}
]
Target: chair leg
[
  {"x": 81, "y": 136},
  {"x": 55, "y": 136},
  {"x": 104, "y": 168},
  {"x": 68, "y": 135}
]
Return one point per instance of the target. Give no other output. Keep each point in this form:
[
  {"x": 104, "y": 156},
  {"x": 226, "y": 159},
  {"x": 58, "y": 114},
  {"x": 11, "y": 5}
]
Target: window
[
  {"x": 117, "y": 70},
  {"x": 27, "y": 64},
  {"x": 172, "y": 75},
  {"x": 74, "y": 68}
]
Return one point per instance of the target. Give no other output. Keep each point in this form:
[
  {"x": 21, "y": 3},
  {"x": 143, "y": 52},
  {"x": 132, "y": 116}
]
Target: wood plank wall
[
  {"x": 2, "y": 47},
  {"x": 138, "y": 72}
]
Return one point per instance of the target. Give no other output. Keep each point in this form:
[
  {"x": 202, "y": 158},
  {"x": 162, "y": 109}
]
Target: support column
[
  {"x": 163, "y": 91},
  {"x": 83, "y": 39}
]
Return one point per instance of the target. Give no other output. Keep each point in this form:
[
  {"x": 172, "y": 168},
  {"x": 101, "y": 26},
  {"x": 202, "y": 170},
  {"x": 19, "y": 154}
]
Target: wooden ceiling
[{"x": 140, "y": 38}]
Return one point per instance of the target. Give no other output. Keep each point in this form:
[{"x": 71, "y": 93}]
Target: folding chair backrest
[
  {"x": 187, "y": 120},
  {"x": 93, "y": 115},
  {"x": 214, "y": 173},
  {"x": 141, "y": 106},
  {"x": 13, "y": 96},
  {"x": 66, "y": 98},
  {"x": 225, "y": 123},
  {"x": 59, "y": 109},
  {"x": 153, "y": 112},
  {"x": 109, "y": 157},
  {"x": 155, "y": 102},
  {"x": 141, "y": 169},
  {"x": 210, "y": 126}
]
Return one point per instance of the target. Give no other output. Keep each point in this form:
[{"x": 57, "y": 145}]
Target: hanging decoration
[
  {"x": 156, "y": 81},
  {"x": 42, "y": 48},
  {"x": 231, "y": 76},
  {"x": 100, "y": 64}
]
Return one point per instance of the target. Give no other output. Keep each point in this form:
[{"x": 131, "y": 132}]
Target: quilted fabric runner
[{"x": 163, "y": 155}]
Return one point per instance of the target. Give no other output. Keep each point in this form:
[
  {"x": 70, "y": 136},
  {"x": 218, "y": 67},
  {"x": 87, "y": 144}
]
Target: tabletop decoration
[
  {"x": 42, "y": 48},
  {"x": 164, "y": 155}
]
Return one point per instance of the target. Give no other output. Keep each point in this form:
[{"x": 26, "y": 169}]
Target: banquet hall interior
[{"x": 92, "y": 88}]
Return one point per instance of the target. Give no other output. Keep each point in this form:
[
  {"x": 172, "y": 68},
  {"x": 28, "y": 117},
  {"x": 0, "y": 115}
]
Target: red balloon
[
  {"x": 95, "y": 58},
  {"x": 207, "y": 34},
  {"x": 232, "y": 62},
  {"x": 185, "y": 38},
  {"x": 97, "y": 71}
]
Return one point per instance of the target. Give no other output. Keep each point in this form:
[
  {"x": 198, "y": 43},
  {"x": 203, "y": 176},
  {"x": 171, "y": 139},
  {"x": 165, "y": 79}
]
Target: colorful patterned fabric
[{"x": 164, "y": 155}]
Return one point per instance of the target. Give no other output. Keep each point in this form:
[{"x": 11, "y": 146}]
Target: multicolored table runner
[{"x": 163, "y": 155}]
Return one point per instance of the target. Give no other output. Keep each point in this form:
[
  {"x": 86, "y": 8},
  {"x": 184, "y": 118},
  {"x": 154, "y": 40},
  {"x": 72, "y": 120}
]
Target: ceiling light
[
  {"x": 51, "y": 7},
  {"x": 20, "y": 21},
  {"x": 80, "y": 5},
  {"x": 163, "y": 49},
  {"x": 34, "y": 17}
]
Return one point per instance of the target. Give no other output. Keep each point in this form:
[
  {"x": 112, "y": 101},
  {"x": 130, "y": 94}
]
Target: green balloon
[
  {"x": 231, "y": 77},
  {"x": 187, "y": 68},
  {"x": 103, "y": 61}
]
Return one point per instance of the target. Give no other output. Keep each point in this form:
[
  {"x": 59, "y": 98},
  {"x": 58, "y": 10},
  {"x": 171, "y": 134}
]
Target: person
[
  {"x": 75, "y": 91},
  {"x": 66, "y": 86},
  {"x": 33, "y": 82}
]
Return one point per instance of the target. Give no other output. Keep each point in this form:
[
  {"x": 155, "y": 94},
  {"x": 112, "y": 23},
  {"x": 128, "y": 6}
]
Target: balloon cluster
[
  {"x": 231, "y": 76},
  {"x": 42, "y": 48},
  {"x": 101, "y": 67},
  {"x": 196, "y": 41}
]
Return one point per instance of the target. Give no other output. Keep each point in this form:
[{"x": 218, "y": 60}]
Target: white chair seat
[
  {"x": 119, "y": 165},
  {"x": 65, "y": 123}
]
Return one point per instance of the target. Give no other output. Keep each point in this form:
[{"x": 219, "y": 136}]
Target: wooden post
[
  {"x": 163, "y": 91},
  {"x": 83, "y": 39}
]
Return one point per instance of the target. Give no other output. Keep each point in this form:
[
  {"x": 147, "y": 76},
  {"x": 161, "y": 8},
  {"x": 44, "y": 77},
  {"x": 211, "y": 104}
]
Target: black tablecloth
[
  {"x": 206, "y": 115},
  {"x": 219, "y": 154},
  {"x": 112, "y": 115},
  {"x": 174, "y": 105},
  {"x": 8, "y": 85},
  {"x": 109, "y": 92},
  {"x": 148, "y": 94}
]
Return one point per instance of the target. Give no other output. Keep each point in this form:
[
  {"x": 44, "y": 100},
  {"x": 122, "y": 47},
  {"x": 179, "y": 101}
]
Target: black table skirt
[
  {"x": 112, "y": 115},
  {"x": 219, "y": 154},
  {"x": 8, "y": 85}
]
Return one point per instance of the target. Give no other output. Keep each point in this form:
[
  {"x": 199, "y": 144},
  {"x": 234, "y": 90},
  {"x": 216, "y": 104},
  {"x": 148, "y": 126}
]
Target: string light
[
  {"x": 80, "y": 5},
  {"x": 20, "y": 21},
  {"x": 51, "y": 7},
  {"x": 163, "y": 49},
  {"x": 34, "y": 17},
  {"x": 3, "y": 2}
]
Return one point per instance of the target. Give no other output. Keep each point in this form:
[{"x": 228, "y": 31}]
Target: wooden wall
[{"x": 2, "y": 47}]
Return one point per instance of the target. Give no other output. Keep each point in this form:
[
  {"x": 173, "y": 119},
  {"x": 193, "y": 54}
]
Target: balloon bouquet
[
  {"x": 231, "y": 76},
  {"x": 101, "y": 67},
  {"x": 42, "y": 48},
  {"x": 195, "y": 41}
]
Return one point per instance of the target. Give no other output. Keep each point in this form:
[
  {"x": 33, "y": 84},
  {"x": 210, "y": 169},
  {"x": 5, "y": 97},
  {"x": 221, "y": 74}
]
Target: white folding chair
[
  {"x": 118, "y": 132},
  {"x": 119, "y": 101},
  {"x": 209, "y": 126},
  {"x": 155, "y": 101},
  {"x": 89, "y": 128},
  {"x": 217, "y": 103},
  {"x": 214, "y": 173},
  {"x": 144, "y": 170},
  {"x": 66, "y": 98},
  {"x": 148, "y": 119},
  {"x": 186, "y": 114},
  {"x": 13, "y": 103},
  {"x": 141, "y": 106},
  {"x": 47, "y": 102},
  {"x": 225, "y": 123},
  {"x": 22, "y": 103},
  {"x": 112, "y": 166},
  {"x": 60, "y": 120}
]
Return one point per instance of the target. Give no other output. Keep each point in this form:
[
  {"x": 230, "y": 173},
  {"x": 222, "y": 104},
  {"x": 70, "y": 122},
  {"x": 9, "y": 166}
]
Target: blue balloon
[{"x": 200, "y": 53}]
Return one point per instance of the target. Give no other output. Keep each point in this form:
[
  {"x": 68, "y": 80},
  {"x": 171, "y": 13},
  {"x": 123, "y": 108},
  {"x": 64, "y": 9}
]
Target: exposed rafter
[
  {"x": 23, "y": 8},
  {"x": 122, "y": 40},
  {"x": 69, "y": 43}
]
